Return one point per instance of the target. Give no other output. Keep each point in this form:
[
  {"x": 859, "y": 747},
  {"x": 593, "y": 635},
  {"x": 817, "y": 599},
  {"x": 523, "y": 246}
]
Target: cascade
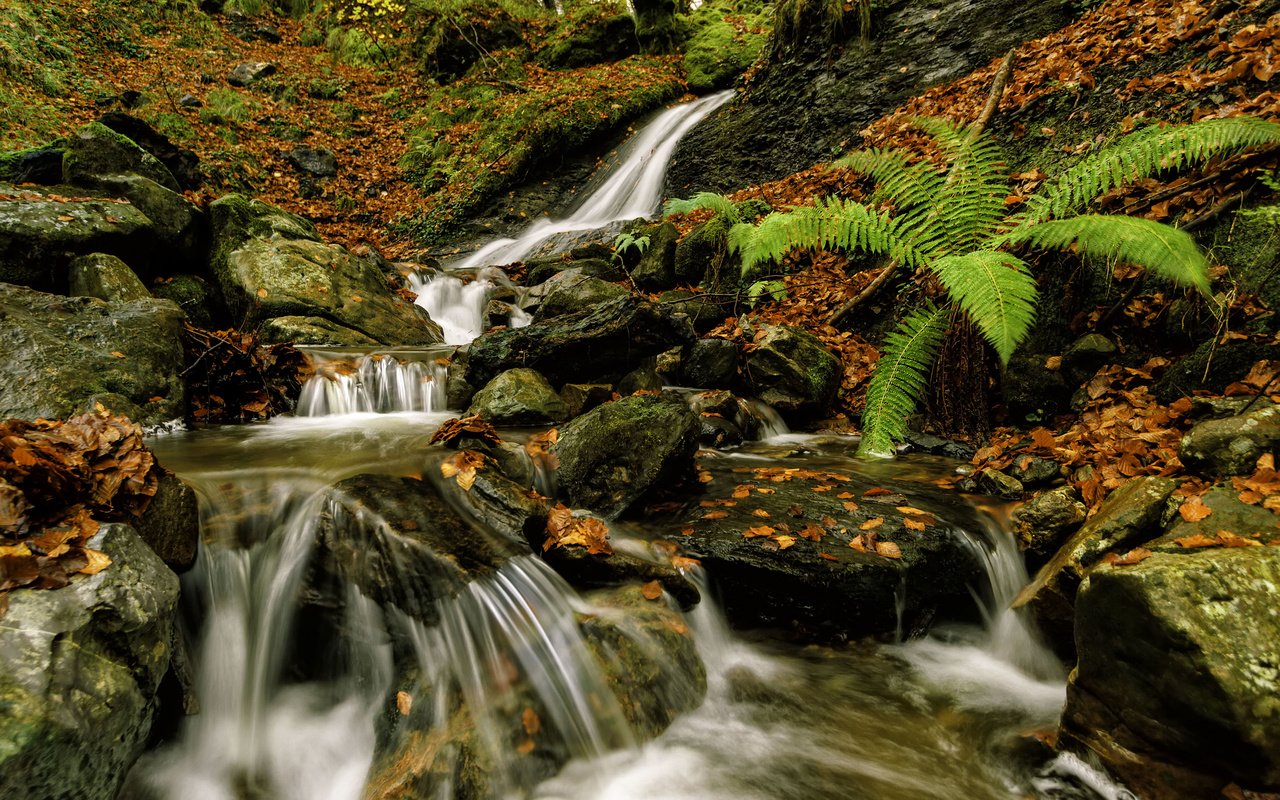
[{"x": 379, "y": 383}]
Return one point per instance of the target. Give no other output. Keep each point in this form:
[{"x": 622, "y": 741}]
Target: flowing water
[{"x": 318, "y": 682}]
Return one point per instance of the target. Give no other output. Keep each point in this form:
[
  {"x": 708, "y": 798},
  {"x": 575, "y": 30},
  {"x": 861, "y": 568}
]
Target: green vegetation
[
  {"x": 227, "y": 107},
  {"x": 726, "y": 37},
  {"x": 953, "y": 223}
]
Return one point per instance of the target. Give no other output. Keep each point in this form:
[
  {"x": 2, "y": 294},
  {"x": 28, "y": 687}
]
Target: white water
[{"x": 377, "y": 384}]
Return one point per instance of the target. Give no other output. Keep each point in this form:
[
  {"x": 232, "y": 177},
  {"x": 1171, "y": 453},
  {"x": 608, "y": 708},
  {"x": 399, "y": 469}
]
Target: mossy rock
[
  {"x": 600, "y": 38},
  {"x": 518, "y": 397}
]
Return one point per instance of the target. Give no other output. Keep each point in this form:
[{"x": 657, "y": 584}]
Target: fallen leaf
[
  {"x": 1194, "y": 510},
  {"x": 828, "y": 557},
  {"x": 888, "y": 550},
  {"x": 404, "y": 703},
  {"x": 98, "y": 561},
  {"x": 760, "y": 512},
  {"x": 651, "y": 590},
  {"x": 1134, "y": 556},
  {"x": 871, "y": 523},
  {"x": 784, "y": 541},
  {"x": 760, "y": 530}
]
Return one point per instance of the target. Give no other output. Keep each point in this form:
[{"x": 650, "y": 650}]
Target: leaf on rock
[
  {"x": 1134, "y": 556},
  {"x": 404, "y": 703},
  {"x": 875, "y": 522},
  {"x": 888, "y": 550},
  {"x": 98, "y": 561},
  {"x": 651, "y": 590},
  {"x": 1194, "y": 510},
  {"x": 564, "y": 530}
]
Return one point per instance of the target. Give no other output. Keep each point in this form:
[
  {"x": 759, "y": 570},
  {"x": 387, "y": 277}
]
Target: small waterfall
[
  {"x": 374, "y": 384},
  {"x": 632, "y": 188}
]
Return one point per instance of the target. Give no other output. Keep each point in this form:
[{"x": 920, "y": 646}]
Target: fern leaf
[
  {"x": 970, "y": 203},
  {"x": 898, "y": 181},
  {"x": 831, "y": 224},
  {"x": 718, "y": 203},
  {"x": 998, "y": 293},
  {"x": 1144, "y": 153},
  {"x": 1160, "y": 248},
  {"x": 900, "y": 378}
]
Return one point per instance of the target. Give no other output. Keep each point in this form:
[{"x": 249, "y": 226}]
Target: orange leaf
[
  {"x": 651, "y": 590},
  {"x": 98, "y": 561},
  {"x": 1194, "y": 510},
  {"x": 404, "y": 703},
  {"x": 888, "y": 550},
  {"x": 871, "y": 523}
]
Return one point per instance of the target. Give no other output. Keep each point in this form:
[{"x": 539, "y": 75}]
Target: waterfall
[{"x": 374, "y": 384}]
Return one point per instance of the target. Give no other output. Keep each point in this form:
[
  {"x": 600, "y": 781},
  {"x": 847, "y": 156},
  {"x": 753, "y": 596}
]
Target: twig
[
  {"x": 998, "y": 83},
  {"x": 1261, "y": 392}
]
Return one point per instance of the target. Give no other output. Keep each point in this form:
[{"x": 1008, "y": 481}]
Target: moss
[{"x": 723, "y": 45}]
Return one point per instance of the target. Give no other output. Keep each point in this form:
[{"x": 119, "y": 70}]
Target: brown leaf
[
  {"x": 828, "y": 557},
  {"x": 759, "y": 530},
  {"x": 98, "y": 561},
  {"x": 651, "y": 590},
  {"x": 1194, "y": 510},
  {"x": 1197, "y": 540},
  {"x": 530, "y": 721},
  {"x": 715, "y": 515},
  {"x": 404, "y": 703},
  {"x": 871, "y": 523},
  {"x": 888, "y": 550},
  {"x": 916, "y": 525},
  {"x": 784, "y": 541},
  {"x": 760, "y": 512},
  {"x": 1134, "y": 556}
]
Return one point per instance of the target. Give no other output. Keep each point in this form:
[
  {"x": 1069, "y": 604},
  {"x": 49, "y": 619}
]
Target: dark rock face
[
  {"x": 1231, "y": 446},
  {"x": 63, "y": 354},
  {"x": 1210, "y": 366},
  {"x": 613, "y": 454},
  {"x": 605, "y": 39},
  {"x": 317, "y": 161},
  {"x": 1176, "y": 685},
  {"x": 106, "y": 278},
  {"x": 197, "y": 299},
  {"x": 711, "y": 364},
  {"x": 518, "y": 397},
  {"x": 171, "y": 524},
  {"x": 655, "y": 268},
  {"x": 1044, "y": 522},
  {"x": 571, "y": 292},
  {"x": 812, "y": 99},
  {"x": 790, "y": 370},
  {"x": 611, "y": 339},
  {"x": 826, "y": 586},
  {"x": 37, "y": 165},
  {"x": 79, "y": 671},
  {"x": 183, "y": 164},
  {"x": 97, "y": 151}
]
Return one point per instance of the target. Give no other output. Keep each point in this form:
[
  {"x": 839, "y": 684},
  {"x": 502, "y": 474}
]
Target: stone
[
  {"x": 1045, "y": 521},
  {"x": 711, "y": 364},
  {"x": 190, "y": 101},
  {"x": 1176, "y": 686},
  {"x": 1130, "y": 516},
  {"x": 42, "y": 230},
  {"x": 197, "y": 299},
  {"x": 317, "y": 161},
  {"x": 585, "y": 570},
  {"x": 518, "y": 397},
  {"x": 1211, "y": 367},
  {"x": 37, "y": 165},
  {"x": 594, "y": 345},
  {"x": 250, "y": 72},
  {"x": 937, "y": 446},
  {"x": 790, "y": 370},
  {"x": 1226, "y": 513},
  {"x": 1231, "y": 446},
  {"x": 701, "y": 248},
  {"x": 1085, "y": 355},
  {"x": 655, "y": 268},
  {"x": 171, "y": 524},
  {"x": 269, "y": 264},
  {"x": 97, "y": 152},
  {"x": 613, "y": 454},
  {"x": 824, "y": 588},
  {"x": 605, "y": 38},
  {"x": 106, "y": 278},
  {"x": 177, "y": 223},
  {"x": 183, "y": 164},
  {"x": 997, "y": 484},
  {"x": 704, "y": 314},
  {"x": 80, "y": 668},
  {"x": 571, "y": 292},
  {"x": 1031, "y": 391},
  {"x": 1033, "y": 471},
  {"x": 65, "y": 353},
  {"x": 643, "y": 378},
  {"x": 312, "y": 331},
  {"x": 581, "y": 397}
]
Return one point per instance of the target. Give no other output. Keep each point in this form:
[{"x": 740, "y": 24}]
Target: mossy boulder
[
  {"x": 64, "y": 354},
  {"x": 35, "y": 165},
  {"x": 593, "y": 35},
  {"x": 1231, "y": 446},
  {"x": 613, "y": 454},
  {"x": 722, "y": 46},
  {"x": 1045, "y": 521},
  {"x": 791, "y": 370},
  {"x": 1211, "y": 366},
  {"x": 518, "y": 397},
  {"x": 96, "y": 152},
  {"x": 572, "y": 291},
  {"x": 711, "y": 364},
  {"x": 106, "y": 278},
  {"x": 447, "y": 47},
  {"x": 80, "y": 668},
  {"x": 1176, "y": 686},
  {"x": 655, "y": 269}
]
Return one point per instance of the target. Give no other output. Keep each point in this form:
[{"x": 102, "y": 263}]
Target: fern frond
[
  {"x": 1144, "y": 153},
  {"x": 998, "y": 293},
  {"x": 718, "y": 203},
  {"x": 831, "y": 224},
  {"x": 970, "y": 203},
  {"x": 1160, "y": 248},
  {"x": 900, "y": 378},
  {"x": 898, "y": 181}
]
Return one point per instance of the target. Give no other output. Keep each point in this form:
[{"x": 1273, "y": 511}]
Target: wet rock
[
  {"x": 718, "y": 432},
  {"x": 37, "y": 165},
  {"x": 1231, "y": 446},
  {"x": 711, "y": 364},
  {"x": 97, "y": 152},
  {"x": 1044, "y": 522},
  {"x": 571, "y": 292},
  {"x": 317, "y": 161},
  {"x": 613, "y": 454},
  {"x": 655, "y": 268},
  {"x": 178, "y": 224},
  {"x": 643, "y": 378},
  {"x": 1226, "y": 513},
  {"x": 1033, "y": 471},
  {"x": 937, "y": 446},
  {"x": 1129, "y": 516},
  {"x": 79, "y": 671},
  {"x": 1031, "y": 391},
  {"x": 1176, "y": 687},
  {"x": 1085, "y": 355},
  {"x": 41, "y": 232},
  {"x": 183, "y": 164},
  {"x": 518, "y": 397},
  {"x": 603, "y": 342},
  {"x": 699, "y": 249},
  {"x": 1219, "y": 407},
  {"x": 312, "y": 331},
  {"x": 63, "y": 353},
  {"x": 585, "y": 570},
  {"x": 604, "y": 268},
  {"x": 197, "y": 299},
  {"x": 818, "y": 581},
  {"x": 400, "y": 542},
  {"x": 106, "y": 278},
  {"x": 171, "y": 524},
  {"x": 1210, "y": 366},
  {"x": 582, "y": 397},
  {"x": 790, "y": 370},
  {"x": 995, "y": 483},
  {"x": 648, "y": 655},
  {"x": 250, "y": 72},
  {"x": 269, "y": 263}
]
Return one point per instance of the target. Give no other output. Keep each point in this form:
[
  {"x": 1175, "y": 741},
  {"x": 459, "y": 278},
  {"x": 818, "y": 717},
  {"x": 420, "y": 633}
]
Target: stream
[{"x": 300, "y": 704}]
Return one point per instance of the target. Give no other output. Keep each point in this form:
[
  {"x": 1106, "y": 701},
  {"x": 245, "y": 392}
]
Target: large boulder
[
  {"x": 571, "y": 291},
  {"x": 269, "y": 264},
  {"x": 1231, "y": 446},
  {"x": 96, "y": 151},
  {"x": 710, "y": 364},
  {"x": 801, "y": 546},
  {"x": 1045, "y": 521},
  {"x": 790, "y": 370},
  {"x": 604, "y": 342},
  {"x": 1176, "y": 686},
  {"x": 64, "y": 354},
  {"x": 1130, "y": 516},
  {"x": 171, "y": 524},
  {"x": 106, "y": 278},
  {"x": 79, "y": 670},
  {"x": 41, "y": 230},
  {"x": 614, "y": 453},
  {"x": 518, "y": 397},
  {"x": 655, "y": 269},
  {"x": 183, "y": 164}
]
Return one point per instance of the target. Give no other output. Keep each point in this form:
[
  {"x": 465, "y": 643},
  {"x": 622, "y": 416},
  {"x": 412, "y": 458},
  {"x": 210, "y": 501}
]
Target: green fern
[
  {"x": 717, "y": 203},
  {"x": 900, "y": 379},
  {"x": 953, "y": 223}
]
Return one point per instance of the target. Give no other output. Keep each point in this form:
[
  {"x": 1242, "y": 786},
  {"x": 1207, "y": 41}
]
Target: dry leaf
[
  {"x": 871, "y": 523},
  {"x": 651, "y": 590},
  {"x": 888, "y": 550},
  {"x": 784, "y": 541},
  {"x": 98, "y": 561},
  {"x": 404, "y": 703},
  {"x": 1194, "y": 510}
]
